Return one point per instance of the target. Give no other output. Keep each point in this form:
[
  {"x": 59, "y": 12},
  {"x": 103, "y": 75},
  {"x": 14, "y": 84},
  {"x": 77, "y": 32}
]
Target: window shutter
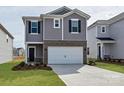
[
  {"x": 79, "y": 25},
  {"x": 69, "y": 25},
  {"x": 29, "y": 26},
  {"x": 39, "y": 27}
]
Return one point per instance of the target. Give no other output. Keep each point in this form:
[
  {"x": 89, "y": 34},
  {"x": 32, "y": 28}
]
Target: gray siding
[
  {"x": 39, "y": 51},
  {"x": 100, "y": 34},
  {"x": 117, "y": 33},
  {"x": 106, "y": 50},
  {"x": 34, "y": 38},
  {"x": 79, "y": 37},
  {"x": 50, "y": 32}
]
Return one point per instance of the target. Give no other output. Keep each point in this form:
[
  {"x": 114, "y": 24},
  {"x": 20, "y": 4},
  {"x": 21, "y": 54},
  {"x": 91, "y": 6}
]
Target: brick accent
[{"x": 63, "y": 43}]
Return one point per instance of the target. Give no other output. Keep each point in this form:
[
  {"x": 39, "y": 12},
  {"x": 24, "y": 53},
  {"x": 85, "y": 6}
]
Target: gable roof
[
  {"x": 56, "y": 13},
  {"x": 109, "y": 21},
  {"x": 60, "y": 11},
  {"x": 116, "y": 18},
  {"x": 98, "y": 22},
  {"x": 77, "y": 12},
  {"x": 4, "y": 29}
]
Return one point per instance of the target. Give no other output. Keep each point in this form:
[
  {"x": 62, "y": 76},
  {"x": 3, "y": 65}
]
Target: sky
[{"x": 11, "y": 17}]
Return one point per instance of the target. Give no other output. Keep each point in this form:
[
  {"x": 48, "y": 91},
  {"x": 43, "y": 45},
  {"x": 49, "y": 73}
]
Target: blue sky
[{"x": 11, "y": 17}]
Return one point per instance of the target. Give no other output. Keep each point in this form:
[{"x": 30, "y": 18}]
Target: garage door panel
[{"x": 65, "y": 55}]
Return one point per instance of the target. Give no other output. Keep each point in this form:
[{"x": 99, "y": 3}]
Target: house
[
  {"x": 6, "y": 45},
  {"x": 20, "y": 51},
  {"x": 57, "y": 37},
  {"x": 106, "y": 38}
]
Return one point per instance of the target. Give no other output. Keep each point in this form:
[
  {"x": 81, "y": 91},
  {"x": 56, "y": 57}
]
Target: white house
[
  {"x": 6, "y": 45},
  {"x": 106, "y": 38}
]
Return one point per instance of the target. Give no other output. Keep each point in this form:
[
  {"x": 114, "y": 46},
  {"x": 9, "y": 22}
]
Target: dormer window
[
  {"x": 56, "y": 22},
  {"x": 103, "y": 29}
]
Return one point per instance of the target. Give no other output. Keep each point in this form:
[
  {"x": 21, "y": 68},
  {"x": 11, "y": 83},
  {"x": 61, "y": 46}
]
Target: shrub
[{"x": 23, "y": 66}]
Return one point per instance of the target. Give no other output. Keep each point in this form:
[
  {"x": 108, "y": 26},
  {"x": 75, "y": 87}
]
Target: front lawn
[
  {"x": 109, "y": 66},
  {"x": 27, "y": 78}
]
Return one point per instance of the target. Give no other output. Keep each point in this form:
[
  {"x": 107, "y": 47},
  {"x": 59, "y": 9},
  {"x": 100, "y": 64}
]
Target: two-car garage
[{"x": 65, "y": 55}]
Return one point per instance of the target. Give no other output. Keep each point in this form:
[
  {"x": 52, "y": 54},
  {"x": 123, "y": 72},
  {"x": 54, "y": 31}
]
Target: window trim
[
  {"x": 33, "y": 27},
  {"x": 58, "y": 19},
  {"x": 75, "y": 19},
  {"x": 77, "y": 27},
  {"x": 74, "y": 32},
  {"x": 102, "y": 27}
]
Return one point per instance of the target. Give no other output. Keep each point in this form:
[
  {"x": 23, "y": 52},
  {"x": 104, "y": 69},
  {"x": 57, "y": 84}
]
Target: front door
[
  {"x": 99, "y": 52},
  {"x": 31, "y": 54}
]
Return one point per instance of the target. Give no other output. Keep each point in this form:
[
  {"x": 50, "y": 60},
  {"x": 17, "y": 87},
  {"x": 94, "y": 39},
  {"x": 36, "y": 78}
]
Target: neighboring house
[
  {"x": 20, "y": 51},
  {"x": 106, "y": 38},
  {"x": 6, "y": 45},
  {"x": 57, "y": 37}
]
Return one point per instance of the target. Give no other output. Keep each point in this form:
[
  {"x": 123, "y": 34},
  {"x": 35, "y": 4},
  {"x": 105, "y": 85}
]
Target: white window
[
  {"x": 74, "y": 26},
  {"x": 103, "y": 29},
  {"x": 34, "y": 27},
  {"x": 56, "y": 22}
]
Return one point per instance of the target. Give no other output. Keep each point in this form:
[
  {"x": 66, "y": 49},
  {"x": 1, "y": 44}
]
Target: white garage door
[{"x": 65, "y": 55}]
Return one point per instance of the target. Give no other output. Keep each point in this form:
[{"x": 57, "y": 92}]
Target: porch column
[
  {"x": 26, "y": 53},
  {"x": 85, "y": 53},
  {"x": 45, "y": 55},
  {"x": 102, "y": 52}
]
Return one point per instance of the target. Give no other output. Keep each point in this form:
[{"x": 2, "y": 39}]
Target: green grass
[
  {"x": 27, "y": 78},
  {"x": 112, "y": 67}
]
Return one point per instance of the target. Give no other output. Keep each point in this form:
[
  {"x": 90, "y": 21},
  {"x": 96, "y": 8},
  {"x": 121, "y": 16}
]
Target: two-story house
[
  {"x": 106, "y": 38},
  {"x": 57, "y": 37},
  {"x": 6, "y": 45}
]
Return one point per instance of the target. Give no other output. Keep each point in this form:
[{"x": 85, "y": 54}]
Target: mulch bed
[{"x": 23, "y": 66}]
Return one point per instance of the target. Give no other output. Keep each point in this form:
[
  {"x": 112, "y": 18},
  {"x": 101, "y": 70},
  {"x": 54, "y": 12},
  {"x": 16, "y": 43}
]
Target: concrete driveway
[{"x": 84, "y": 75}]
